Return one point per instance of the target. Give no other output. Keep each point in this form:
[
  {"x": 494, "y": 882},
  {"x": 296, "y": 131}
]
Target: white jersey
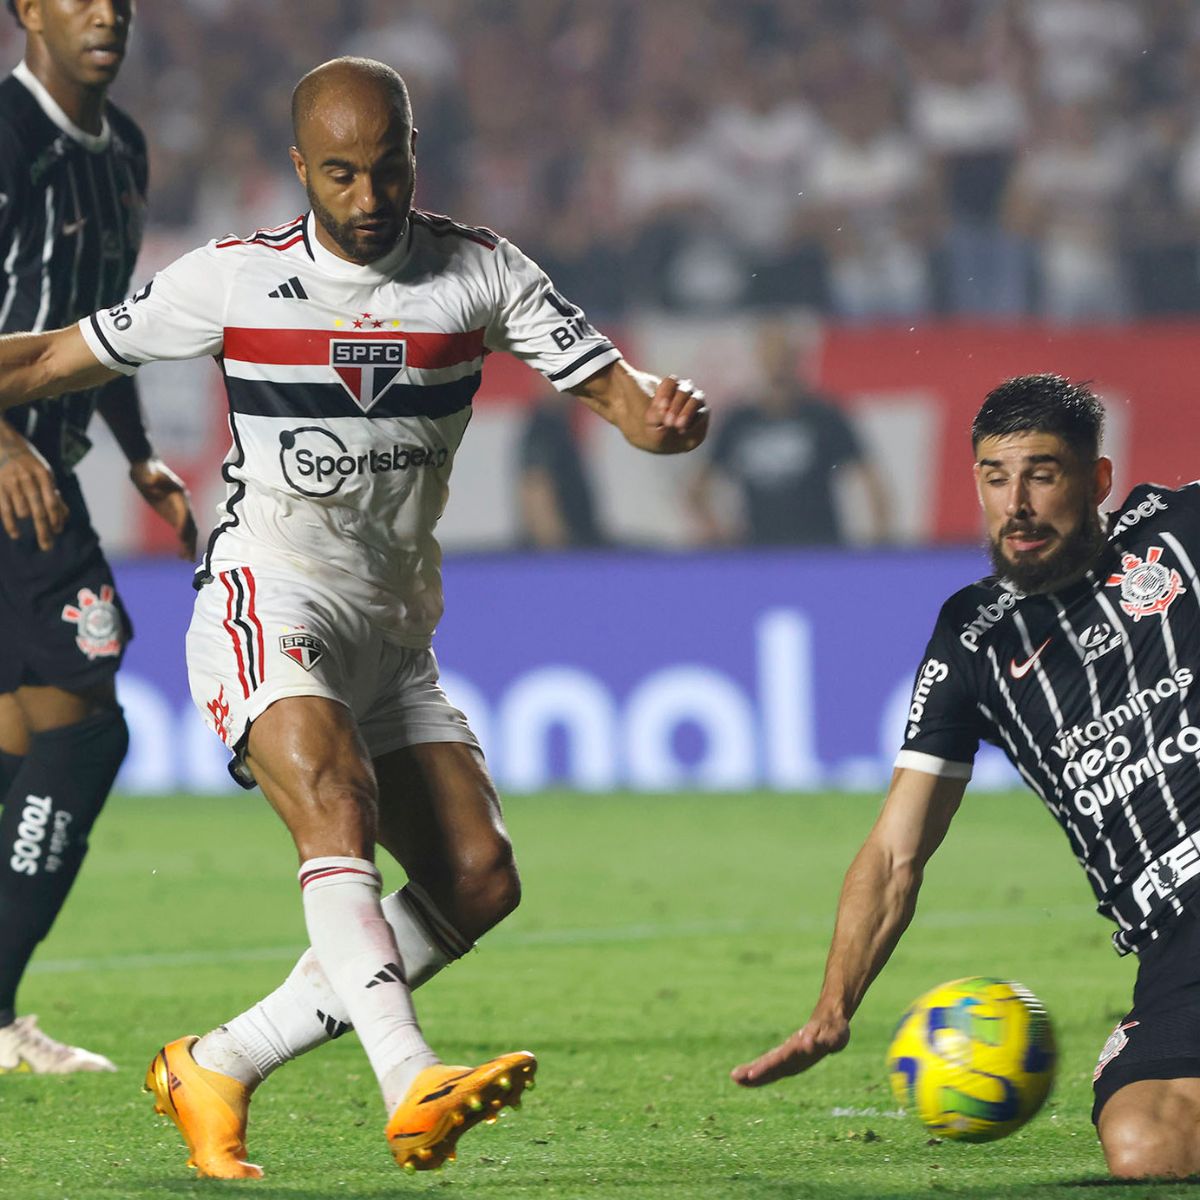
[{"x": 349, "y": 390}]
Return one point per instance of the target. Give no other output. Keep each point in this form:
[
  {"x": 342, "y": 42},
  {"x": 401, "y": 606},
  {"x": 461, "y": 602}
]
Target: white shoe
[{"x": 24, "y": 1048}]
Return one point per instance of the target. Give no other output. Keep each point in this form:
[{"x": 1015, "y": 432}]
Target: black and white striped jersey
[
  {"x": 350, "y": 388},
  {"x": 1092, "y": 694},
  {"x": 71, "y": 213}
]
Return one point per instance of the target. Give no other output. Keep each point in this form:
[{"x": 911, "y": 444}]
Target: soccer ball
[{"x": 974, "y": 1059}]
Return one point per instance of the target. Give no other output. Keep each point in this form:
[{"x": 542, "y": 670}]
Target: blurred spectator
[
  {"x": 876, "y": 209},
  {"x": 557, "y": 510},
  {"x": 971, "y": 121},
  {"x": 1066, "y": 194},
  {"x": 791, "y": 456}
]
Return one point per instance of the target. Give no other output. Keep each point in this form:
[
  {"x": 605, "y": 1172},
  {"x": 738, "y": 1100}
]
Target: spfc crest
[
  {"x": 1148, "y": 587},
  {"x": 302, "y": 648},
  {"x": 367, "y": 365},
  {"x": 97, "y": 621}
]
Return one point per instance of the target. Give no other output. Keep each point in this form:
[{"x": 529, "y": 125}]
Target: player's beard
[
  {"x": 348, "y": 237},
  {"x": 1046, "y": 573}
]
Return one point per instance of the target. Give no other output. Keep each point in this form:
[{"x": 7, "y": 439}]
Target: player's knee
[
  {"x": 1139, "y": 1147},
  {"x": 489, "y": 887}
]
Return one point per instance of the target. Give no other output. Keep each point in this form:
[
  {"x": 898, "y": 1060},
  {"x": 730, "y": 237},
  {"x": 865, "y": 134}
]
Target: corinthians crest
[
  {"x": 98, "y": 622},
  {"x": 1148, "y": 587}
]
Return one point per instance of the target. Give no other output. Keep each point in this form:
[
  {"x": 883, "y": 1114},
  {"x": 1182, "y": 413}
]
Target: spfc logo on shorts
[
  {"x": 366, "y": 366},
  {"x": 302, "y": 648},
  {"x": 1148, "y": 587},
  {"x": 97, "y": 621}
]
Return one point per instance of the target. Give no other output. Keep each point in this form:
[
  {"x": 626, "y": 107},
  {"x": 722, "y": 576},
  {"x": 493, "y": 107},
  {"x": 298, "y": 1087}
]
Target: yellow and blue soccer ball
[{"x": 974, "y": 1059}]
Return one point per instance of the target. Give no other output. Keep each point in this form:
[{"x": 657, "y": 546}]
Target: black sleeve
[
  {"x": 842, "y": 443},
  {"x": 14, "y": 190},
  {"x": 943, "y": 726},
  {"x": 725, "y": 436},
  {"x": 539, "y": 441},
  {"x": 121, "y": 408}
]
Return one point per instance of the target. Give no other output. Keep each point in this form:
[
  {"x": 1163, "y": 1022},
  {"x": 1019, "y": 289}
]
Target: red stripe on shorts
[
  {"x": 258, "y": 629},
  {"x": 233, "y": 635}
]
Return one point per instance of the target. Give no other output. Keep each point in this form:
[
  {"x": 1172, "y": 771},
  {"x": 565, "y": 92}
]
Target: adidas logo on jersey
[{"x": 293, "y": 289}]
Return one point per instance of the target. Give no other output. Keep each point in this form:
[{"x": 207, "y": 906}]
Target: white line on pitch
[{"x": 615, "y": 935}]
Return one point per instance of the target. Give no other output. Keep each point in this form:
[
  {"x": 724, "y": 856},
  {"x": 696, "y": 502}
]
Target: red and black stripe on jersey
[
  {"x": 279, "y": 237},
  {"x": 70, "y": 233},
  {"x": 1092, "y": 694}
]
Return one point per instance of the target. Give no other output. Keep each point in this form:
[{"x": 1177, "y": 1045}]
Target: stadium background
[{"x": 934, "y": 194}]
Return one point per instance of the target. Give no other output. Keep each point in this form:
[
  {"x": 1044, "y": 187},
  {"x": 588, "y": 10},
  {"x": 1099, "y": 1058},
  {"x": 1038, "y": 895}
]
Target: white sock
[
  {"x": 304, "y": 1011},
  {"x": 357, "y": 950}
]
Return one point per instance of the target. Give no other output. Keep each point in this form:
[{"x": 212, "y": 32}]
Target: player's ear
[
  {"x": 298, "y": 162},
  {"x": 30, "y": 15},
  {"x": 1102, "y": 479}
]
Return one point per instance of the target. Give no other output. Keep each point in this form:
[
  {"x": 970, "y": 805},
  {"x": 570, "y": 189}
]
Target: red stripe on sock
[{"x": 324, "y": 872}]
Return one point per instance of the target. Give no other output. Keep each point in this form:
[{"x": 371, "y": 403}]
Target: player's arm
[
  {"x": 879, "y": 896},
  {"x": 663, "y": 416},
  {"x": 121, "y": 407},
  {"x": 34, "y": 366}
]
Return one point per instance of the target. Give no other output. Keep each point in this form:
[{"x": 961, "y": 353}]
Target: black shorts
[
  {"x": 62, "y": 623},
  {"x": 1159, "y": 1038}
]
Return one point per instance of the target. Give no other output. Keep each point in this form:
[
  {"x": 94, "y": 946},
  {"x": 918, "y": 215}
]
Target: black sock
[
  {"x": 10, "y": 764},
  {"x": 52, "y": 803}
]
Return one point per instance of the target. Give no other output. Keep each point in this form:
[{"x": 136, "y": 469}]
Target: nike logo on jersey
[
  {"x": 1020, "y": 670},
  {"x": 293, "y": 289},
  {"x": 71, "y": 227}
]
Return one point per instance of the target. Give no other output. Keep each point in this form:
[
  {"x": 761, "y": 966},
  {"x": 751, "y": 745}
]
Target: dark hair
[
  {"x": 12, "y": 8},
  {"x": 1043, "y": 404}
]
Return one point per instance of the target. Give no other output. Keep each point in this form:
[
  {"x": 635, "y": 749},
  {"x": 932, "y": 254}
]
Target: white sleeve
[
  {"x": 180, "y": 313},
  {"x": 541, "y": 327}
]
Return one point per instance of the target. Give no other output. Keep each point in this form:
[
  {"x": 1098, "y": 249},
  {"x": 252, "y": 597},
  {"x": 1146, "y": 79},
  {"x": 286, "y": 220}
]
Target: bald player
[{"x": 351, "y": 340}]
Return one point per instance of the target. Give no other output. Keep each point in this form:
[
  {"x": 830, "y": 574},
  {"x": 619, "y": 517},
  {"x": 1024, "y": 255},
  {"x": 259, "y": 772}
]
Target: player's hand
[
  {"x": 28, "y": 490},
  {"x": 677, "y": 415},
  {"x": 166, "y": 493},
  {"x": 805, "y": 1048}
]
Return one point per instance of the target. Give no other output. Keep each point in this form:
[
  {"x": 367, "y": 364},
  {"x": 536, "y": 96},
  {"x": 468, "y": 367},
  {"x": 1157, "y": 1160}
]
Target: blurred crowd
[{"x": 868, "y": 158}]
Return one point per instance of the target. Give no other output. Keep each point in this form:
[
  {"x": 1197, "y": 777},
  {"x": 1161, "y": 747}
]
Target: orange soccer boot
[
  {"x": 444, "y": 1102},
  {"x": 208, "y": 1108}
]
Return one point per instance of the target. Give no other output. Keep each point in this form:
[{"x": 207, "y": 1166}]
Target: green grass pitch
[{"x": 662, "y": 940}]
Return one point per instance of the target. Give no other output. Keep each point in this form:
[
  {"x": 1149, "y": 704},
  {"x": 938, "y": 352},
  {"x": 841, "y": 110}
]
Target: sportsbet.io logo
[{"x": 316, "y": 462}]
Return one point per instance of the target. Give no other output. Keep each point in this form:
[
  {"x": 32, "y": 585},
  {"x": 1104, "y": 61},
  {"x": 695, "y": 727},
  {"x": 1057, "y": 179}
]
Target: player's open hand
[
  {"x": 165, "y": 492},
  {"x": 28, "y": 490},
  {"x": 677, "y": 415},
  {"x": 805, "y": 1048}
]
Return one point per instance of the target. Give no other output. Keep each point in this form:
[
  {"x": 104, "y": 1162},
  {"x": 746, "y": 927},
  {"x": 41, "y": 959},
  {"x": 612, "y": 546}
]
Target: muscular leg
[
  {"x": 310, "y": 761},
  {"x": 440, "y": 818},
  {"x": 1152, "y": 1128},
  {"x": 70, "y": 746}
]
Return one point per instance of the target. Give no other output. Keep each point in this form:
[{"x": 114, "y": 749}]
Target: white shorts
[{"x": 260, "y": 634}]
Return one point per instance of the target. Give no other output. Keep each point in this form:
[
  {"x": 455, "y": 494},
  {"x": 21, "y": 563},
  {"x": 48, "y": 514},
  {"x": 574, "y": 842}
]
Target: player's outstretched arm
[
  {"x": 664, "y": 416},
  {"x": 36, "y": 365},
  {"x": 879, "y": 896}
]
